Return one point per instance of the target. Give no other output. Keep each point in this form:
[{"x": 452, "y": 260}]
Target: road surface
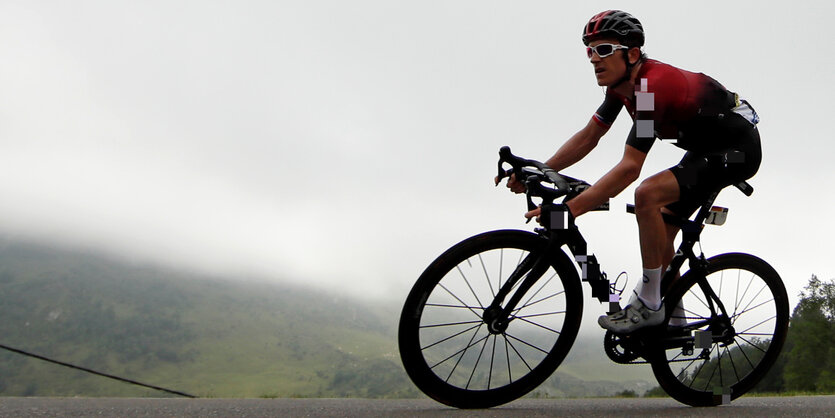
[{"x": 800, "y": 406}]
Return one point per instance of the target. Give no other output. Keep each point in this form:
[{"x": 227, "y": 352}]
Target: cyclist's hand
[
  {"x": 512, "y": 184},
  {"x": 535, "y": 213}
]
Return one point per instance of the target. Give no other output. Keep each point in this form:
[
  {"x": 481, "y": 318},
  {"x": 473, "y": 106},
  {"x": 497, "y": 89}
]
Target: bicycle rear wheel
[
  {"x": 731, "y": 354},
  {"x": 448, "y": 350}
]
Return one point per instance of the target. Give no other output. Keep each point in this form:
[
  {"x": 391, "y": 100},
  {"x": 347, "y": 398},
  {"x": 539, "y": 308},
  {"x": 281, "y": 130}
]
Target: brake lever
[{"x": 531, "y": 205}]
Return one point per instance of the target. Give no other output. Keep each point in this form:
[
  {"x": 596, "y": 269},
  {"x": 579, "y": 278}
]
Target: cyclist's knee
[
  {"x": 646, "y": 198},
  {"x": 656, "y": 192}
]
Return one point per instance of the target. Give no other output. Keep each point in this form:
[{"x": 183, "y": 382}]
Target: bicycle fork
[{"x": 531, "y": 269}]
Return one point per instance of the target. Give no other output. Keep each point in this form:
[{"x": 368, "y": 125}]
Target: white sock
[{"x": 649, "y": 289}]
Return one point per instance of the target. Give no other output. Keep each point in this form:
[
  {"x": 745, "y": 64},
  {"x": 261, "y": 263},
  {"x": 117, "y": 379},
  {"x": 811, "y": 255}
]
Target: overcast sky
[{"x": 348, "y": 143}]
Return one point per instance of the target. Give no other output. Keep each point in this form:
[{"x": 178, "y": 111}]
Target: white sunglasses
[{"x": 604, "y": 50}]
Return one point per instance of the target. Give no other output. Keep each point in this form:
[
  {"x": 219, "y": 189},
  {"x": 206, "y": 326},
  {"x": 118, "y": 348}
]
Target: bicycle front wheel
[
  {"x": 728, "y": 354},
  {"x": 447, "y": 348}
]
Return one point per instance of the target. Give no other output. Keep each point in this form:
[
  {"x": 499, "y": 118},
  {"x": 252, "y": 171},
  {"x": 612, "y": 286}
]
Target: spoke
[
  {"x": 754, "y": 326},
  {"x": 741, "y": 298},
  {"x": 459, "y": 300},
  {"x": 695, "y": 315},
  {"x": 698, "y": 298},
  {"x": 469, "y": 344},
  {"x": 751, "y": 344},
  {"x": 749, "y": 310},
  {"x": 507, "y": 356},
  {"x": 537, "y": 292},
  {"x": 721, "y": 280},
  {"x": 721, "y": 381},
  {"x": 713, "y": 372},
  {"x": 449, "y": 324},
  {"x": 521, "y": 257},
  {"x": 736, "y": 296},
  {"x": 541, "y": 326},
  {"x": 450, "y": 337},
  {"x": 540, "y": 314},
  {"x": 477, "y": 360},
  {"x": 487, "y": 275},
  {"x": 517, "y": 354},
  {"x": 676, "y": 356},
  {"x": 463, "y": 351},
  {"x": 765, "y": 285},
  {"x": 733, "y": 365},
  {"x": 526, "y": 343},
  {"x": 492, "y": 358},
  {"x": 755, "y": 333},
  {"x": 707, "y": 360},
  {"x": 741, "y": 350},
  {"x": 540, "y": 300},
  {"x": 463, "y": 276},
  {"x": 441, "y": 305},
  {"x": 684, "y": 370}
]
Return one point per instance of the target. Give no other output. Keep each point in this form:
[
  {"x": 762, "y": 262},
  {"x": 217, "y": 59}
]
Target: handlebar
[
  {"x": 533, "y": 173},
  {"x": 518, "y": 163}
]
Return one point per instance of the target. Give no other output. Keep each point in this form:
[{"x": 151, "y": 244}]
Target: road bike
[{"x": 494, "y": 316}]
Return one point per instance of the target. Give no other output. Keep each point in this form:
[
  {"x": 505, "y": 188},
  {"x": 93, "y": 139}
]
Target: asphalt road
[{"x": 801, "y": 406}]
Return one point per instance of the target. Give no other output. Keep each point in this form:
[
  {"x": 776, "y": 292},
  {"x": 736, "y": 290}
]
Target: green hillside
[{"x": 207, "y": 336}]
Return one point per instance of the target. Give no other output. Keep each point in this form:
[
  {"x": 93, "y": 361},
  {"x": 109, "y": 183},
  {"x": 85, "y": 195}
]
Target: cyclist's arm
[
  {"x": 578, "y": 146},
  {"x": 612, "y": 183}
]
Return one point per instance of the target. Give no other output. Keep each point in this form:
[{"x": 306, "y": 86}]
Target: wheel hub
[
  {"x": 723, "y": 332},
  {"x": 496, "y": 324}
]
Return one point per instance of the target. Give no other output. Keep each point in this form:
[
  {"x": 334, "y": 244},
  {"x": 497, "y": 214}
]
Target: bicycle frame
[{"x": 536, "y": 263}]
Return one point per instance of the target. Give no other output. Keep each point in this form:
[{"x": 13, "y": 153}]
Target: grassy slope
[{"x": 209, "y": 337}]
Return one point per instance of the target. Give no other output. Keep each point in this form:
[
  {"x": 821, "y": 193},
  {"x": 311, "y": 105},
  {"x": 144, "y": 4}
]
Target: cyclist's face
[{"x": 608, "y": 70}]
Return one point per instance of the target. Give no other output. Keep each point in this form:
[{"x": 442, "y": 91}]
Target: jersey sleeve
[{"x": 608, "y": 111}]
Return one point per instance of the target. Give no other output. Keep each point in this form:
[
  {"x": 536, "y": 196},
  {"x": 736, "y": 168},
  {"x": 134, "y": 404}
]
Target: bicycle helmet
[{"x": 614, "y": 24}]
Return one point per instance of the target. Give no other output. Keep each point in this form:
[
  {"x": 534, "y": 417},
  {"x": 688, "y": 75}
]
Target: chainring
[{"x": 618, "y": 348}]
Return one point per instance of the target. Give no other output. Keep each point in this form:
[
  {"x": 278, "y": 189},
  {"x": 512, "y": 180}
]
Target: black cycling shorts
[{"x": 701, "y": 173}]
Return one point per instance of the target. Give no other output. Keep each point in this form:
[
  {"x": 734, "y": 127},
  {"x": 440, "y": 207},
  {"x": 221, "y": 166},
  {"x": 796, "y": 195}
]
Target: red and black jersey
[{"x": 671, "y": 103}]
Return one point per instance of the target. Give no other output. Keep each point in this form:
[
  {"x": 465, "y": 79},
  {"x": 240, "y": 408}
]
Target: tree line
[{"x": 807, "y": 362}]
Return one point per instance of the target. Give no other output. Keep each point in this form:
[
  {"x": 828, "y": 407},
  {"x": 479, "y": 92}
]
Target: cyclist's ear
[{"x": 634, "y": 55}]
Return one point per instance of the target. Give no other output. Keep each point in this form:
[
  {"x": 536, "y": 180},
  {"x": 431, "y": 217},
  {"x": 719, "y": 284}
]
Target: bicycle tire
[
  {"x": 756, "y": 341},
  {"x": 428, "y": 359}
]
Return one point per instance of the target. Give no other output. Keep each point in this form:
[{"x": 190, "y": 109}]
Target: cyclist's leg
[
  {"x": 671, "y": 233},
  {"x": 650, "y": 198},
  {"x": 644, "y": 308}
]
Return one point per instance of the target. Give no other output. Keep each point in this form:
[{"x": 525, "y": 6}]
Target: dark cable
[{"x": 72, "y": 366}]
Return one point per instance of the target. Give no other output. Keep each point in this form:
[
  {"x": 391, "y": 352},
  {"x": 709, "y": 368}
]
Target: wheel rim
[
  {"x": 461, "y": 349},
  {"x": 721, "y": 366}
]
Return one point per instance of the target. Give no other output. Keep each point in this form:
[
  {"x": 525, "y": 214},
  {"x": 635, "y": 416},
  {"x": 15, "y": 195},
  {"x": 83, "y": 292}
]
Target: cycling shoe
[{"x": 633, "y": 317}]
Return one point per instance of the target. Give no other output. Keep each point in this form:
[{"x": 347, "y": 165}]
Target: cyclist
[{"x": 715, "y": 127}]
